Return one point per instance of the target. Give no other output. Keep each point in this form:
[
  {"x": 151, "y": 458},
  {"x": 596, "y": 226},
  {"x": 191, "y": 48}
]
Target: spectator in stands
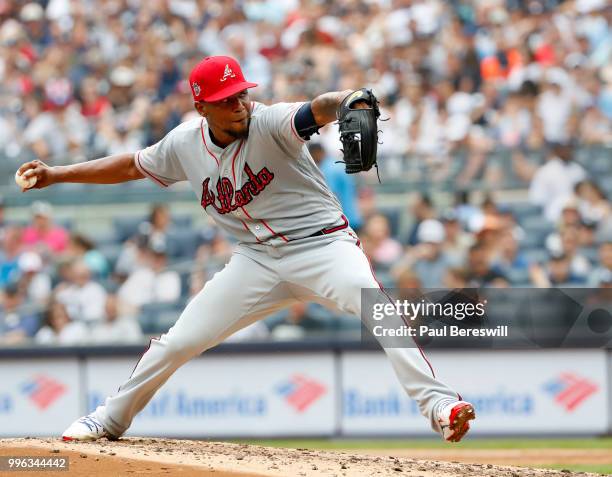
[
  {"x": 489, "y": 232},
  {"x": 593, "y": 205},
  {"x": 18, "y": 323},
  {"x": 556, "y": 272},
  {"x": 60, "y": 131},
  {"x": 553, "y": 183},
  {"x": 33, "y": 281},
  {"x": 427, "y": 259},
  {"x": 595, "y": 127},
  {"x": 382, "y": 248},
  {"x": 513, "y": 125},
  {"x": 587, "y": 237},
  {"x": 366, "y": 203},
  {"x": 82, "y": 248},
  {"x": 257, "y": 331},
  {"x": 43, "y": 236},
  {"x": 570, "y": 216},
  {"x": 296, "y": 322},
  {"x": 481, "y": 271},
  {"x": 604, "y": 270},
  {"x": 131, "y": 257},
  {"x": 59, "y": 329},
  {"x": 422, "y": 209},
  {"x": 83, "y": 297},
  {"x": 457, "y": 241},
  {"x": 116, "y": 327},
  {"x": 341, "y": 184},
  {"x": 456, "y": 278},
  {"x": 158, "y": 227},
  {"x": 153, "y": 282},
  {"x": 93, "y": 102},
  {"x": 466, "y": 212},
  {"x": 9, "y": 255},
  {"x": 211, "y": 256},
  {"x": 473, "y": 76},
  {"x": 567, "y": 243},
  {"x": 159, "y": 223},
  {"x": 555, "y": 107}
]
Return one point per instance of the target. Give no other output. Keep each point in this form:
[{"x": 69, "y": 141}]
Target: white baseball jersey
[
  {"x": 266, "y": 190},
  {"x": 262, "y": 189}
]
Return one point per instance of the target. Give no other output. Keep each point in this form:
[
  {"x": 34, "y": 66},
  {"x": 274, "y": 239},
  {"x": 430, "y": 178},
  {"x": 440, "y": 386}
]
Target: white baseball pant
[{"x": 259, "y": 280}]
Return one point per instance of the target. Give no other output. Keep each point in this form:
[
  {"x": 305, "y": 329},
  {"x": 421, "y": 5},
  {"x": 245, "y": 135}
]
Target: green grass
[
  {"x": 598, "y": 469},
  {"x": 477, "y": 443}
]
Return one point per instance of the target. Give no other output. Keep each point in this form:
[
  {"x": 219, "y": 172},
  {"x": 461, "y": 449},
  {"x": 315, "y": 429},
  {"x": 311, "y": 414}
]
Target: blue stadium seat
[
  {"x": 157, "y": 318},
  {"x": 536, "y": 231},
  {"x": 126, "y": 227},
  {"x": 536, "y": 255},
  {"x": 591, "y": 254},
  {"x": 385, "y": 278},
  {"x": 182, "y": 220},
  {"x": 106, "y": 237},
  {"x": 393, "y": 215},
  {"x": 517, "y": 275},
  {"x": 523, "y": 210},
  {"x": 182, "y": 243},
  {"x": 606, "y": 185},
  {"x": 65, "y": 222},
  {"x": 111, "y": 251}
]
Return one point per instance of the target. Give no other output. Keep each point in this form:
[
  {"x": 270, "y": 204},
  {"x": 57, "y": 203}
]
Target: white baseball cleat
[
  {"x": 454, "y": 420},
  {"x": 87, "y": 428}
]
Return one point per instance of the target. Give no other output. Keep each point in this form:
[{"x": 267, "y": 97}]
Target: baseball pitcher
[{"x": 251, "y": 170}]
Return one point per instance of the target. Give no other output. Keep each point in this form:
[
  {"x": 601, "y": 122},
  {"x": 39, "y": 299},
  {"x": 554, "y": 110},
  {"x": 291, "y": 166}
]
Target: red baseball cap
[{"x": 216, "y": 78}]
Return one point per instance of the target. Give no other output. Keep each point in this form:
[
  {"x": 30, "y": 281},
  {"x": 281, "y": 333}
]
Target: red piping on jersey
[
  {"x": 234, "y": 163},
  {"x": 142, "y": 355},
  {"x": 275, "y": 233},
  {"x": 204, "y": 140},
  {"x": 291, "y": 121},
  {"x": 159, "y": 181},
  {"x": 243, "y": 209},
  {"x": 247, "y": 228},
  {"x": 339, "y": 227},
  {"x": 356, "y": 238},
  {"x": 236, "y": 186},
  {"x": 266, "y": 225},
  {"x": 389, "y": 298}
]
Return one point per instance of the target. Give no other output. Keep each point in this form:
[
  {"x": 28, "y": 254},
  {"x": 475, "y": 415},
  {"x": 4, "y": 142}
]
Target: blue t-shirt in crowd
[{"x": 343, "y": 185}]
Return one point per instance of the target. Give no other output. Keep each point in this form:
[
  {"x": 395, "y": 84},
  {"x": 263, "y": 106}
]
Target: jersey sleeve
[
  {"x": 279, "y": 121},
  {"x": 160, "y": 162}
]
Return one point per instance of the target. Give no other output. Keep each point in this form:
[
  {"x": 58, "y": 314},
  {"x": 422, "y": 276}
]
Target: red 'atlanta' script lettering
[{"x": 226, "y": 199}]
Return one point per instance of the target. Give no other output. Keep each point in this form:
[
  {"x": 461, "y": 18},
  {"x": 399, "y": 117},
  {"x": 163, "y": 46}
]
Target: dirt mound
[{"x": 168, "y": 456}]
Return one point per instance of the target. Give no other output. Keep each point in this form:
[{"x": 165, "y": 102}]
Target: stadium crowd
[{"x": 84, "y": 79}]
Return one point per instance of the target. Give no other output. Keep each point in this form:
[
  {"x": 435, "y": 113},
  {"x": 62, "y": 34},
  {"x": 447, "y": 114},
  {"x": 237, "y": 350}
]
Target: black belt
[{"x": 330, "y": 230}]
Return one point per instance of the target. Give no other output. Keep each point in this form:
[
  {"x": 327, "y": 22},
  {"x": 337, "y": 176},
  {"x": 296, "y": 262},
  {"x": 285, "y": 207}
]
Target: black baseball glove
[{"x": 359, "y": 130}]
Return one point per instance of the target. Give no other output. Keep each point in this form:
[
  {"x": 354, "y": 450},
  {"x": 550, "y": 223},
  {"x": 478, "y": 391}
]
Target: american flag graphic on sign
[
  {"x": 300, "y": 392},
  {"x": 42, "y": 390},
  {"x": 570, "y": 390}
]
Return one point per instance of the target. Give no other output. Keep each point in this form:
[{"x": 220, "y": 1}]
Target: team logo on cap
[
  {"x": 228, "y": 73},
  {"x": 196, "y": 88}
]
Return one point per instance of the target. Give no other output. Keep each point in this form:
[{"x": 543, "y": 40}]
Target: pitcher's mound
[{"x": 156, "y": 457}]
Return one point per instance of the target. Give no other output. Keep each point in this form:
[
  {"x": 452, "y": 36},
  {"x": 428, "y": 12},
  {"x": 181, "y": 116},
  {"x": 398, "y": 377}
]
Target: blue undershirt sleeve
[{"x": 305, "y": 123}]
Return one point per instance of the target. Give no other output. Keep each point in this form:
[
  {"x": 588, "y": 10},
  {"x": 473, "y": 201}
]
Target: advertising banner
[
  {"x": 536, "y": 392},
  {"x": 38, "y": 397},
  {"x": 230, "y": 395}
]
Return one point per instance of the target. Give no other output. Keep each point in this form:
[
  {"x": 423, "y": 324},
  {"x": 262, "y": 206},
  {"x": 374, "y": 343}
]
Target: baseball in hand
[{"x": 25, "y": 182}]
